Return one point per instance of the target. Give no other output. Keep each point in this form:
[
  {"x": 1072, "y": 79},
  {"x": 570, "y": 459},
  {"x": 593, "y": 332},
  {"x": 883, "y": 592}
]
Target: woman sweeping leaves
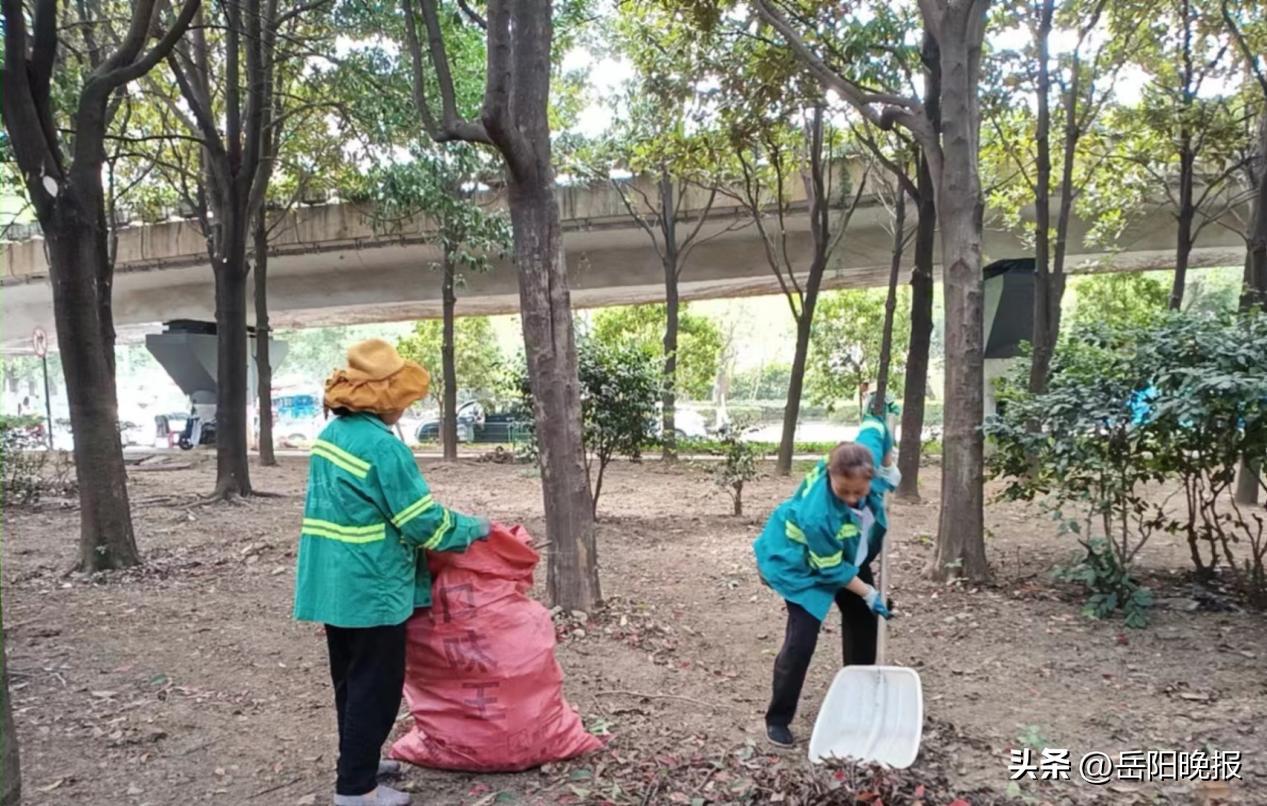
[
  {"x": 361, "y": 567},
  {"x": 817, "y": 549}
]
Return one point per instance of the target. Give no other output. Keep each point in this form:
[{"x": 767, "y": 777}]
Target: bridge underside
[{"x": 331, "y": 282}]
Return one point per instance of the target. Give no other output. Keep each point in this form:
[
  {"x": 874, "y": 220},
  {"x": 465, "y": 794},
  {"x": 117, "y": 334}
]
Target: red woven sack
[{"x": 482, "y": 682}]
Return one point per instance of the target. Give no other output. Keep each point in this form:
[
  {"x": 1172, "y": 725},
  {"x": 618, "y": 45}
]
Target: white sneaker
[
  {"x": 383, "y": 796},
  {"x": 390, "y": 769}
]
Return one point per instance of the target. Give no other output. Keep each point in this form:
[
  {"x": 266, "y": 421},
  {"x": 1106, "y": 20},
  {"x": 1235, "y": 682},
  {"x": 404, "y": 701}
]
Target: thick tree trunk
[
  {"x": 263, "y": 333},
  {"x": 448, "y": 360},
  {"x": 1187, "y": 215},
  {"x": 76, "y": 241},
  {"x": 10, "y": 766},
  {"x": 1043, "y": 336},
  {"x": 232, "y": 468},
  {"x": 550, "y": 345},
  {"x": 672, "y": 314},
  {"x": 960, "y": 534}
]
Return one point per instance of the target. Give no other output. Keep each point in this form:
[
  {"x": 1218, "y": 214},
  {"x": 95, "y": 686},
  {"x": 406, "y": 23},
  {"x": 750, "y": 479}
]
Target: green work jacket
[{"x": 367, "y": 520}]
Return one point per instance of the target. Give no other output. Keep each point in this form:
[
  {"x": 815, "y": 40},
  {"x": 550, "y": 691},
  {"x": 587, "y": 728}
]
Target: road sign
[{"x": 39, "y": 340}]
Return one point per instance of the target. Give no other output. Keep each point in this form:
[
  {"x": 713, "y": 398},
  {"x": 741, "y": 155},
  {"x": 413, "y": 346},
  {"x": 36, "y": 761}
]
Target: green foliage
[
  {"x": 1118, "y": 300},
  {"x": 1214, "y": 291},
  {"x": 845, "y": 345},
  {"x": 477, "y": 358},
  {"x": 620, "y": 386},
  {"x": 642, "y": 327},
  {"x": 22, "y": 459},
  {"x": 1181, "y": 399},
  {"x": 738, "y": 465},
  {"x": 435, "y": 182},
  {"x": 1210, "y": 379},
  {"x": 314, "y": 353},
  {"x": 1110, "y": 584},
  {"x": 766, "y": 382}
]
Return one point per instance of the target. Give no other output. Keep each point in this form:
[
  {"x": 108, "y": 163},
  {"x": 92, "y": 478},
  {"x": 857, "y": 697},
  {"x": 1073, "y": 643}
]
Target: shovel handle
[{"x": 882, "y": 630}]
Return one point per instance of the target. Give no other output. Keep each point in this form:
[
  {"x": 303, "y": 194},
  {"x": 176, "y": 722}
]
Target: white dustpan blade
[{"x": 871, "y": 713}]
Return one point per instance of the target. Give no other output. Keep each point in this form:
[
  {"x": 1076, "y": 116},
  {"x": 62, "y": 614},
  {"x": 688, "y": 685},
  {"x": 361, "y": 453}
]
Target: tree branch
[
  {"x": 895, "y": 109},
  {"x": 34, "y": 143},
  {"x": 43, "y": 46},
  {"x": 473, "y": 15},
  {"x": 734, "y": 226},
  {"x": 1251, "y": 58},
  {"x": 703, "y": 216},
  {"x": 299, "y": 11},
  {"x": 138, "y": 30},
  {"x": 618, "y": 186},
  {"x": 898, "y": 172},
  {"x": 449, "y": 127},
  {"x": 140, "y": 67}
]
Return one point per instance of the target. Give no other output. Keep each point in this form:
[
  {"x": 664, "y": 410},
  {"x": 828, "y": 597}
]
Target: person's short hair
[{"x": 850, "y": 459}]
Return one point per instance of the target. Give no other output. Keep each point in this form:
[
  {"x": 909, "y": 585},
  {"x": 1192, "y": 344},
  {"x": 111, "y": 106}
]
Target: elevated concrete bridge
[{"x": 335, "y": 264}]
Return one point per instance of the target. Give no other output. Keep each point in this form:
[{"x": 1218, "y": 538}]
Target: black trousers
[
  {"x": 367, "y": 666},
  {"x": 857, "y": 648}
]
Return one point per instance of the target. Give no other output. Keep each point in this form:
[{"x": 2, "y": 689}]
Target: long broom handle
[{"x": 882, "y": 631}]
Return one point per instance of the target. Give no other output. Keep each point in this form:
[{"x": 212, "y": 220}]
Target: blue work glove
[
  {"x": 872, "y": 598},
  {"x": 484, "y": 526}
]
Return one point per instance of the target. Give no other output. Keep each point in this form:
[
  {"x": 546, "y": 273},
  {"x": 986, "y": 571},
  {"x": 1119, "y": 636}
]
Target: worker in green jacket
[
  {"x": 816, "y": 550},
  {"x": 361, "y": 570}
]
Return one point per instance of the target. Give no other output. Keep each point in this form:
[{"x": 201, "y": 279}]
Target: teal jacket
[
  {"x": 808, "y": 548},
  {"x": 367, "y": 521}
]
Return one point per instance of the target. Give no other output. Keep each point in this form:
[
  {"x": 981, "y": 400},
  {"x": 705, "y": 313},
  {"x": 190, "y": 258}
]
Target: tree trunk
[
  {"x": 1187, "y": 214},
  {"x": 879, "y": 406},
  {"x": 795, "y": 388},
  {"x": 448, "y": 360},
  {"x": 550, "y": 345},
  {"x": 76, "y": 242},
  {"x": 1043, "y": 336},
  {"x": 1253, "y": 296},
  {"x": 1056, "y": 280},
  {"x": 1255, "y": 291},
  {"x": 820, "y": 232},
  {"x": 917, "y": 356},
  {"x": 263, "y": 333},
  {"x": 960, "y": 534},
  {"x": 232, "y": 468},
  {"x": 11, "y": 769},
  {"x": 1247, "y": 483},
  {"x": 671, "y": 315}
]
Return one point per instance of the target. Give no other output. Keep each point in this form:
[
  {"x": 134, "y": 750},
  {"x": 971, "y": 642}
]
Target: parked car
[
  {"x": 687, "y": 423},
  {"x": 475, "y": 424},
  {"x": 471, "y": 418}
]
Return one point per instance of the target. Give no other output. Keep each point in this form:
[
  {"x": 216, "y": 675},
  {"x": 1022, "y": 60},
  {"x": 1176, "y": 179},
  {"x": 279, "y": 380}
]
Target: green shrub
[
  {"x": 737, "y": 467},
  {"x": 1177, "y": 399},
  {"x": 23, "y": 457}
]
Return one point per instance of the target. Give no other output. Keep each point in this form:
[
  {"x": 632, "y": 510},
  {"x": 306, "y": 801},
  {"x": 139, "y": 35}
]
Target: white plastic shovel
[{"x": 872, "y": 713}]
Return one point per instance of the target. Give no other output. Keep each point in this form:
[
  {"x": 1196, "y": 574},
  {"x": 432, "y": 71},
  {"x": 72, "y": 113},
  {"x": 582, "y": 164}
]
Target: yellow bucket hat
[{"x": 376, "y": 380}]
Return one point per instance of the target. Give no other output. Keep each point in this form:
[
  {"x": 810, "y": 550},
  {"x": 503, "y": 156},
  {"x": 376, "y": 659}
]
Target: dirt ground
[{"x": 186, "y": 681}]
